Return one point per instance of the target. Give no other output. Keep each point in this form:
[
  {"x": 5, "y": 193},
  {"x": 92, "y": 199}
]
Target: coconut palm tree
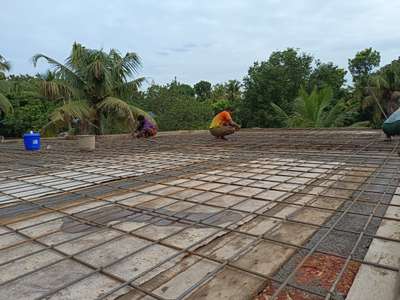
[
  {"x": 384, "y": 92},
  {"x": 232, "y": 88},
  {"x": 5, "y": 105},
  {"x": 91, "y": 85},
  {"x": 312, "y": 110}
]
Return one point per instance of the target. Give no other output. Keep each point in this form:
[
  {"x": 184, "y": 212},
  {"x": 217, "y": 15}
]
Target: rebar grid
[{"x": 355, "y": 159}]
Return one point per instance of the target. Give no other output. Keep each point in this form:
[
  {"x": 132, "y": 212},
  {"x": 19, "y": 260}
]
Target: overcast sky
[{"x": 214, "y": 40}]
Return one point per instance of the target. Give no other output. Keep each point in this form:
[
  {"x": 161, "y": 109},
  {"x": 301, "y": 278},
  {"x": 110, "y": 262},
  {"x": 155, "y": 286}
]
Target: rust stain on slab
[
  {"x": 318, "y": 270},
  {"x": 322, "y": 270}
]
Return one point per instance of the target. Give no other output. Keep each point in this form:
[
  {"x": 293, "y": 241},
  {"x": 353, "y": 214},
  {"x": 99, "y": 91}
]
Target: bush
[
  {"x": 29, "y": 115},
  {"x": 185, "y": 114},
  {"x": 174, "y": 109}
]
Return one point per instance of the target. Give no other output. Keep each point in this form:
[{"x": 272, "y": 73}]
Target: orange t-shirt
[{"x": 223, "y": 118}]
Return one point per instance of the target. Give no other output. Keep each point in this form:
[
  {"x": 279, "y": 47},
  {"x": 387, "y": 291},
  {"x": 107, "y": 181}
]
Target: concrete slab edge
[{"x": 188, "y": 132}]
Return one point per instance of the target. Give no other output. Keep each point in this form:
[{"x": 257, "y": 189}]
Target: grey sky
[{"x": 213, "y": 40}]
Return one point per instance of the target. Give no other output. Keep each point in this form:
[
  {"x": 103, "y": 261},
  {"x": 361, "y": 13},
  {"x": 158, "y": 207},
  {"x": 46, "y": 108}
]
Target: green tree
[
  {"x": 312, "y": 110},
  {"x": 29, "y": 115},
  {"x": 182, "y": 89},
  {"x": 276, "y": 80},
  {"x": 363, "y": 64},
  {"x": 225, "y": 95},
  {"x": 362, "y": 67},
  {"x": 328, "y": 75},
  {"x": 31, "y": 110},
  {"x": 203, "y": 90},
  {"x": 218, "y": 92},
  {"x": 92, "y": 85},
  {"x": 174, "y": 109},
  {"x": 185, "y": 113},
  {"x": 233, "y": 92},
  {"x": 5, "y": 105}
]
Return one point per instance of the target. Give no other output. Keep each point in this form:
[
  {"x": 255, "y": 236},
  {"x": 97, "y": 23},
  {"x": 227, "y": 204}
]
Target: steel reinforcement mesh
[{"x": 270, "y": 214}]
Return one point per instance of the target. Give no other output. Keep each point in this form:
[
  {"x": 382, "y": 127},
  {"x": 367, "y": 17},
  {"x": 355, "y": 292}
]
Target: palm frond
[
  {"x": 51, "y": 87},
  {"x": 54, "y": 89},
  {"x": 78, "y": 56},
  {"x": 328, "y": 119},
  {"x": 4, "y": 64},
  {"x": 136, "y": 112},
  {"x": 324, "y": 99},
  {"x": 126, "y": 89},
  {"x": 99, "y": 74},
  {"x": 131, "y": 63},
  {"x": 116, "y": 106},
  {"x": 281, "y": 113},
  {"x": 136, "y": 83},
  {"x": 124, "y": 67},
  {"x": 378, "y": 81},
  {"x": 63, "y": 71},
  {"x": 5, "y": 104},
  {"x": 63, "y": 115},
  {"x": 301, "y": 104},
  {"x": 310, "y": 109},
  {"x": 99, "y": 68},
  {"x": 76, "y": 109},
  {"x": 119, "y": 73}
]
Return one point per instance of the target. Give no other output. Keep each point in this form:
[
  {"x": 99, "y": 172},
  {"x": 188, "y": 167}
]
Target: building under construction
[{"x": 270, "y": 214}]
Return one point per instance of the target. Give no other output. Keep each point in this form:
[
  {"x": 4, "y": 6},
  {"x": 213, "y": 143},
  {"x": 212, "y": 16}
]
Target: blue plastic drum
[{"x": 32, "y": 141}]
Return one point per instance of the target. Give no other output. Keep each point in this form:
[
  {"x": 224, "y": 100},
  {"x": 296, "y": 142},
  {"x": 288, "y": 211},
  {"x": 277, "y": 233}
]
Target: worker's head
[{"x": 140, "y": 118}]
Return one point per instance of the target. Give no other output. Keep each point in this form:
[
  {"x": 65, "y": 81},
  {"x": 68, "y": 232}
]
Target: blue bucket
[{"x": 32, "y": 141}]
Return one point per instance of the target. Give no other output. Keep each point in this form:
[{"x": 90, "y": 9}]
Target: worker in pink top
[
  {"x": 145, "y": 128},
  {"x": 223, "y": 125}
]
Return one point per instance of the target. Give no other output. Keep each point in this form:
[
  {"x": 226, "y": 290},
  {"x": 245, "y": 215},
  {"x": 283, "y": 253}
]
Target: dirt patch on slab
[
  {"x": 323, "y": 269},
  {"x": 319, "y": 270}
]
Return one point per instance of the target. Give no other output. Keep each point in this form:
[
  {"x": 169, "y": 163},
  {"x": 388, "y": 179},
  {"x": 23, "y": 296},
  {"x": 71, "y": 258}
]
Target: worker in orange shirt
[{"x": 223, "y": 125}]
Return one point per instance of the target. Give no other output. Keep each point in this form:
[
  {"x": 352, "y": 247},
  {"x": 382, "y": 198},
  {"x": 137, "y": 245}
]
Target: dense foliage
[
  {"x": 311, "y": 110},
  {"x": 290, "y": 88},
  {"x": 174, "y": 108},
  {"x": 277, "y": 80},
  {"x": 5, "y": 104},
  {"x": 30, "y": 110}
]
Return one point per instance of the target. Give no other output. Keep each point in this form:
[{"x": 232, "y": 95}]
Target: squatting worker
[
  {"x": 145, "y": 128},
  {"x": 223, "y": 125}
]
